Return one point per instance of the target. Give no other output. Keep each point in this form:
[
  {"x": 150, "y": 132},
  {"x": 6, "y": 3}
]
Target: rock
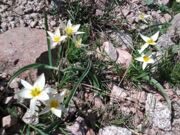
[
  {"x": 20, "y": 47},
  {"x": 15, "y": 83},
  {"x": 98, "y": 103},
  {"x": 8, "y": 99},
  {"x": 117, "y": 94},
  {"x": 110, "y": 50},
  {"x": 78, "y": 128},
  {"x": 122, "y": 40},
  {"x": 33, "y": 24},
  {"x": 165, "y": 18},
  {"x": 2, "y": 131},
  {"x": 157, "y": 113},
  {"x": 90, "y": 132},
  {"x": 99, "y": 12},
  {"x": 124, "y": 58},
  {"x": 113, "y": 130},
  {"x": 4, "y": 26},
  {"x": 53, "y": 23},
  {"x": 174, "y": 29},
  {"x": 31, "y": 117},
  {"x": 8, "y": 121},
  {"x": 130, "y": 18},
  {"x": 163, "y": 2},
  {"x": 164, "y": 41}
]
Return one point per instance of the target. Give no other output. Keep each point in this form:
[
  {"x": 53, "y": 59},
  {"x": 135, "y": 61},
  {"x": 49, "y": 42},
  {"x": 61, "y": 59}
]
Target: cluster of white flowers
[
  {"x": 38, "y": 92},
  {"x": 147, "y": 59},
  {"x": 70, "y": 30}
]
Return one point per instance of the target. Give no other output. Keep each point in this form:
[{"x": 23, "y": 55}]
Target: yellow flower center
[
  {"x": 146, "y": 58},
  {"x": 150, "y": 41},
  {"x": 36, "y": 91},
  {"x": 56, "y": 39},
  {"x": 141, "y": 16},
  {"x": 69, "y": 31},
  {"x": 54, "y": 103}
]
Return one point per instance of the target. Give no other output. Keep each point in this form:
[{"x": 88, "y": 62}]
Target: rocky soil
[{"x": 23, "y": 41}]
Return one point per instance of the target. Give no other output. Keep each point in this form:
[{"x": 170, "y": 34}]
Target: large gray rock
[
  {"x": 174, "y": 29},
  {"x": 113, "y": 130},
  {"x": 157, "y": 113},
  {"x": 20, "y": 47}
]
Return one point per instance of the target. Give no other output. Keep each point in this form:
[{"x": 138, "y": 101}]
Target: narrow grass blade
[
  {"x": 159, "y": 88},
  {"x": 77, "y": 85},
  {"x": 37, "y": 129},
  {"x": 48, "y": 41},
  {"x": 31, "y": 66}
]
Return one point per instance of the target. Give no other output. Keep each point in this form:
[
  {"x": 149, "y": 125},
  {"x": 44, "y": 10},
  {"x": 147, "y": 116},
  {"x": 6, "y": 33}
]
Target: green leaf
[
  {"x": 77, "y": 85},
  {"x": 48, "y": 41},
  {"x": 37, "y": 129},
  {"x": 31, "y": 66}
]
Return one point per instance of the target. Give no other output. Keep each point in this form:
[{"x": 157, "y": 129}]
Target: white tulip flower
[
  {"x": 56, "y": 38},
  {"x": 143, "y": 17},
  {"x": 145, "y": 59},
  {"x": 54, "y": 104},
  {"x": 72, "y": 29},
  {"x": 34, "y": 92},
  {"x": 149, "y": 41}
]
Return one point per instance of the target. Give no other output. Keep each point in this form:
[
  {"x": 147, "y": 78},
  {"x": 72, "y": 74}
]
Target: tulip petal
[
  {"x": 57, "y": 32},
  {"x": 144, "y": 65},
  {"x": 57, "y": 112},
  {"x": 145, "y": 38},
  {"x": 50, "y": 34},
  {"x": 26, "y": 85},
  {"x": 43, "y": 96},
  {"x": 63, "y": 38},
  {"x": 139, "y": 59},
  {"x": 69, "y": 24},
  {"x": 40, "y": 82},
  {"x": 79, "y": 32},
  {"x": 25, "y": 93},
  {"x": 143, "y": 47},
  {"x": 155, "y": 36},
  {"x": 33, "y": 105},
  {"x": 151, "y": 61},
  {"x": 76, "y": 27}
]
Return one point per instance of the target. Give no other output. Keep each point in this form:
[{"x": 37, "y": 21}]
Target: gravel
[{"x": 25, "y": 13}]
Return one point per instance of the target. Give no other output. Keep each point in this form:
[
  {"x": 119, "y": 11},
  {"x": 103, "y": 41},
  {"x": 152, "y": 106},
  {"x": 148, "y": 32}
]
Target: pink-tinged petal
[
  {"x": 33, "y": 105},
  {"x": 76, "y": 27},
  {"x": 57, "y": 32},
  {"x": 139, "y": 59},
  {"x": 155, "y": 36},
  {"x": 50, "y": 34},
  {"x": 25, "y": 93},
  {"x": 143, "y": 47},
  {"x": 69, "y": 24},
  {"x": 53, "y": 45},
  {"x": 145, "y": 38},
  {"x": 57, "y": 112},
  {"x": 144, "y": 65},
  {"x": 43, "y": 96},
  {"x": 26, "y": 85},
  {"x": 40, "y": 82}
]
